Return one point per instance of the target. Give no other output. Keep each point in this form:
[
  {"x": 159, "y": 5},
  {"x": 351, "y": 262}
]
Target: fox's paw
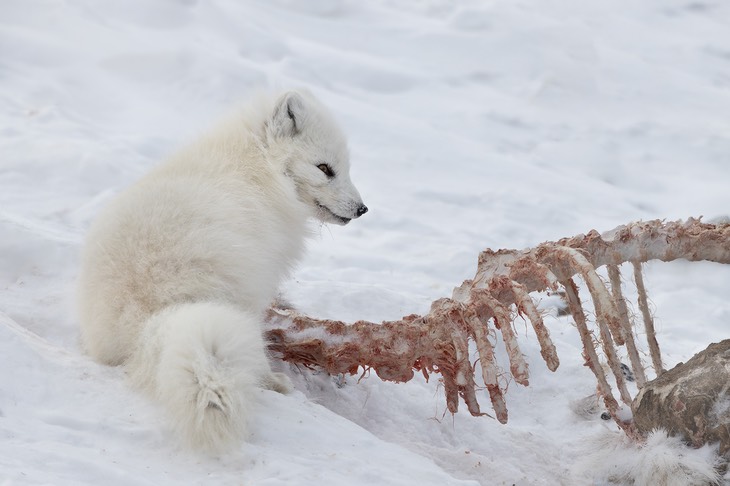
[{"x": 277, "y": 382}]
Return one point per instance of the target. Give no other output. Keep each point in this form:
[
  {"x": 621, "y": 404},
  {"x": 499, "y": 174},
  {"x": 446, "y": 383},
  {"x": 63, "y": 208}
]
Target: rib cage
[{"x": 438, "y": 342}]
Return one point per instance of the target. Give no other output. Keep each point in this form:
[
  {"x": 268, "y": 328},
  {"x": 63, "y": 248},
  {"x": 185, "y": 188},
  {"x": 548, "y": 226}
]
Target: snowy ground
[{"x": 496, "y": 124}]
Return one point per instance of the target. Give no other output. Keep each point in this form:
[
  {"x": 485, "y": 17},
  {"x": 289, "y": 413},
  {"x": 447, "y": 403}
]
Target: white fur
[
  {"x": 662, "y": 460},
  {"x": 179, "y": 268}
]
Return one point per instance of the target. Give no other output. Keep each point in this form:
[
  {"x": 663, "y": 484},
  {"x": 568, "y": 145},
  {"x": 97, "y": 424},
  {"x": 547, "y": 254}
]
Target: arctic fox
[{"x": 178, "y": 270}]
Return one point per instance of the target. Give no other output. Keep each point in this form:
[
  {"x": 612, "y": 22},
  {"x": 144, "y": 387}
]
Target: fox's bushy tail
[{"x": 203, "y": 362}]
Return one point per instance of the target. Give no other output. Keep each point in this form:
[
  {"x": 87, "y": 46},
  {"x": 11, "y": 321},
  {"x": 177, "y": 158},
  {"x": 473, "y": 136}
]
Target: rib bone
[{"x": 438, "y": 342}]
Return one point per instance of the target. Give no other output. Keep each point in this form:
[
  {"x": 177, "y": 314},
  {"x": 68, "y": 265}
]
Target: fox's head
[{"x": 305, "y": 135}]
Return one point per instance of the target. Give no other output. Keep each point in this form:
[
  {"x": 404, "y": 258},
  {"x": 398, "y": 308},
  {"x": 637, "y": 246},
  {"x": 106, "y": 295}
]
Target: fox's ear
[{"x": 288, "y": 115}]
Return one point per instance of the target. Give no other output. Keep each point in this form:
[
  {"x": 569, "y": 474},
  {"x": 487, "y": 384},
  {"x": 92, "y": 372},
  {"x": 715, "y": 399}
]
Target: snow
[{"x": 473, "y": 124}]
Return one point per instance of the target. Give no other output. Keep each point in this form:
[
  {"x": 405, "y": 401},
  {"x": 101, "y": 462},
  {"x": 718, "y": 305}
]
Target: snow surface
[{"x": 472, "y": 124}]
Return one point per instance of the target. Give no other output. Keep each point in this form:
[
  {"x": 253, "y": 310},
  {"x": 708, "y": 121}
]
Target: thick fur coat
[{"x": 178, "y": 269}]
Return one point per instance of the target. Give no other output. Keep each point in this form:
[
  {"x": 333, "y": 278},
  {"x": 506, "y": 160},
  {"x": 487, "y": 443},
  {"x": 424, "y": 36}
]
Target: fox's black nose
[{"x": 361, "y": 210}]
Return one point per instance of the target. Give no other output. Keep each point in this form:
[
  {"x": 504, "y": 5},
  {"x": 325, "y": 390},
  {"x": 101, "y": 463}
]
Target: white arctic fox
[{"x": 178, "y": 270}]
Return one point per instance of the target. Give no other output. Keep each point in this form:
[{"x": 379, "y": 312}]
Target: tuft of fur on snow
[
  {"x": 206, "y": 373},
  {"x": 588, "y": 407},
  {"x": 662, "y": 460}
]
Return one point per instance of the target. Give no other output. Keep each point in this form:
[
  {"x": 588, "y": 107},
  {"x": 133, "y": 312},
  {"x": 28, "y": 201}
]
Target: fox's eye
[{"x": 327, "y": 170}]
